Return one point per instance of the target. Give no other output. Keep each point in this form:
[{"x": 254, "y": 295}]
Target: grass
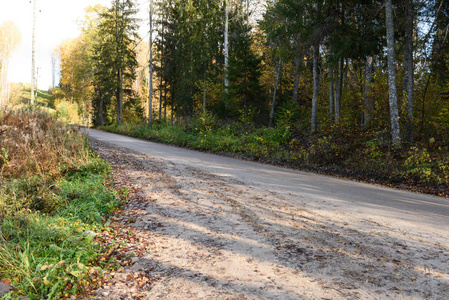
[
  {"x": 53, "y": 196},
  {"x": 362, "y": 155}
]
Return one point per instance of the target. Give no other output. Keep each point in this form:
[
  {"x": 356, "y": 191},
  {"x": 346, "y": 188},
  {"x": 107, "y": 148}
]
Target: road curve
[{"x": 419, "y": 210}]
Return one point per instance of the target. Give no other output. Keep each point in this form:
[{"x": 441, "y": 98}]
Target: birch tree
[
  {"x": 408, "y": 66},
  {"x": 150, "y": 67},
  {"x": 393, "y": 99}
]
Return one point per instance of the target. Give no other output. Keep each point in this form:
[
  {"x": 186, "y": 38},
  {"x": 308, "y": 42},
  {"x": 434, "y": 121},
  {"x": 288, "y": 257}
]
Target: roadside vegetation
[
  {"x": 365, "y": 155},
  {"x": 54, "y": 195}
]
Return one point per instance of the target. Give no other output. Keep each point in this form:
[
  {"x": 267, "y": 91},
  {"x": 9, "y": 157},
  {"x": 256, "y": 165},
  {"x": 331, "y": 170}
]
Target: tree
[
  {"x": 408, "y": 66},
  {"x": 118, "y": 30},
  {"x": 33, "y": 52},
  {"x": 76, "y": 68},
  {"x": 244, "y": 66},
  {"x": 150, "y": 66},
  {"x": 226, "y": 49},
  {"x": 393, "y": 100}
]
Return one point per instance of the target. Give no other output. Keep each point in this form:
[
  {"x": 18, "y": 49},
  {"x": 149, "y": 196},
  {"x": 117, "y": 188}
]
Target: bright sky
[{"x": 56, "y": 21}]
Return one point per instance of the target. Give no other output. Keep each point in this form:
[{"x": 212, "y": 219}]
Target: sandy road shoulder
[{"x": 201, "y": 236}]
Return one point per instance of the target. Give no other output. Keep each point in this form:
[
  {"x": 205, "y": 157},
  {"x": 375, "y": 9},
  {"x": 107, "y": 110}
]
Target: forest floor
[{"x": 189, "y": 234}]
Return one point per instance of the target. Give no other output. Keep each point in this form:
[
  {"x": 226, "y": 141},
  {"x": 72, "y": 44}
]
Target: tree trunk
[
  {"x": 160, "y": 96},
  {"x": 277, "y": 72},
  {"x": 408, "y": 68},
  {"x": 150, "y": 65},
  {"x": 331, "y": 92},
  {"x": 204, "y": 88},
  {"x": 367, "y": 90},
  {"x": 162, "y": 75},
  {"x": 316, "y": 87},
  {"x": 393, "y": 99},
  {"x": 298, "y": 62},
  {"x": 121, "y": 95},
  {"x": 423, "y": 110},
  {"x": 100, "y": 120},
  {"x": 339, "y": 91},
  {"x": 165, "y": 102},
  {"x": 226, "y": 53},
  {"x": 33, "y": 51}
]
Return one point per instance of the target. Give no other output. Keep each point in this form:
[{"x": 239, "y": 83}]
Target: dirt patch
[{"x": 197, "y": 235}]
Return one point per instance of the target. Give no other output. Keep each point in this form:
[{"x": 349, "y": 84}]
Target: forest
[
  {"x": 354, "y": 88},
  {"x": 356, "y": 85},
  {"x": 371, "y": 65}
]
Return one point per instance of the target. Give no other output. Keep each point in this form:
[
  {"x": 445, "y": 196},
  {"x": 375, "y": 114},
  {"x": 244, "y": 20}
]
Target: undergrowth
[
  {"x": 363, "y": 155},
  {"x": 53, "y": 195}
]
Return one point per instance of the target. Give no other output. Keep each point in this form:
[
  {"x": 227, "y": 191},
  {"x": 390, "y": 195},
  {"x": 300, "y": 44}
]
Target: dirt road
[{"x": 221, "y": 228}]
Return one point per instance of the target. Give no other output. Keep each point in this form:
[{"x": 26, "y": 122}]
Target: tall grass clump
[{"x": 52, "y": 198}]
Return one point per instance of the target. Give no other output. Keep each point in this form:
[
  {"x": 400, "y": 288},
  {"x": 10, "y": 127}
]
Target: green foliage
[
  {"x": 364, "y": 154},
  {"x": 204, "y": 121},
  {"x": 68, "y": 112},
  {"x": 423, "y": 165},
  {"x": 47, "y": 216}
]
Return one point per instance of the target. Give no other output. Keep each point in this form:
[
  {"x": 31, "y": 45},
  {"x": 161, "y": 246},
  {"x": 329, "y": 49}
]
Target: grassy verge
[
  {"x": 361, "y": 155},
  {"x": 53, "y": 197}
]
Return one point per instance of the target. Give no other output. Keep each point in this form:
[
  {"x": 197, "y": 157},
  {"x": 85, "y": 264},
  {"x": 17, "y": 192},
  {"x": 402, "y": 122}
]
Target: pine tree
[{"x": 116, "y": 52}]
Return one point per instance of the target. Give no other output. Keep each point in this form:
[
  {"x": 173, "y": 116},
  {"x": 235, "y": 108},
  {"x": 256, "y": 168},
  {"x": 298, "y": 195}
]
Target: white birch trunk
[
  {"x": 150, "y": 65},
  {"x": 393, "y": 99},
  {"x": 33, "y": 51},
  {"x": 408, "y": 68}
]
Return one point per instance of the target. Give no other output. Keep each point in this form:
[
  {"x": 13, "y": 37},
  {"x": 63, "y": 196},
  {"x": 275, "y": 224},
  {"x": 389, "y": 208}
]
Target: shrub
[{"x": 68, "y": 112}]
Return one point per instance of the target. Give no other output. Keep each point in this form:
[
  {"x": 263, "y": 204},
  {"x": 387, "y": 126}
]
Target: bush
[{"x": 68, "y": 112}]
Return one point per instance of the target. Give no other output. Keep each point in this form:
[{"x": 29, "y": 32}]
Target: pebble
[
  {"x": 5, "y": 289},
  {"x": 89, "y": 233}
]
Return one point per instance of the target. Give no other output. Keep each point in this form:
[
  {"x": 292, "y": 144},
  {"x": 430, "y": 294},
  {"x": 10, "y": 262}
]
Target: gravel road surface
[{"x": 233, "y": 229}]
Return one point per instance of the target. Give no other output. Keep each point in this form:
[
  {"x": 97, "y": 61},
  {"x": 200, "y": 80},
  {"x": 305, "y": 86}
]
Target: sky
[{"x": 56, "y": 21}]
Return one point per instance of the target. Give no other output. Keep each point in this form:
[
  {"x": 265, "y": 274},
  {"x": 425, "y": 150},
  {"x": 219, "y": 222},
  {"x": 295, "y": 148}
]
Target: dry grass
[{"x": 33, "y": 144}]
